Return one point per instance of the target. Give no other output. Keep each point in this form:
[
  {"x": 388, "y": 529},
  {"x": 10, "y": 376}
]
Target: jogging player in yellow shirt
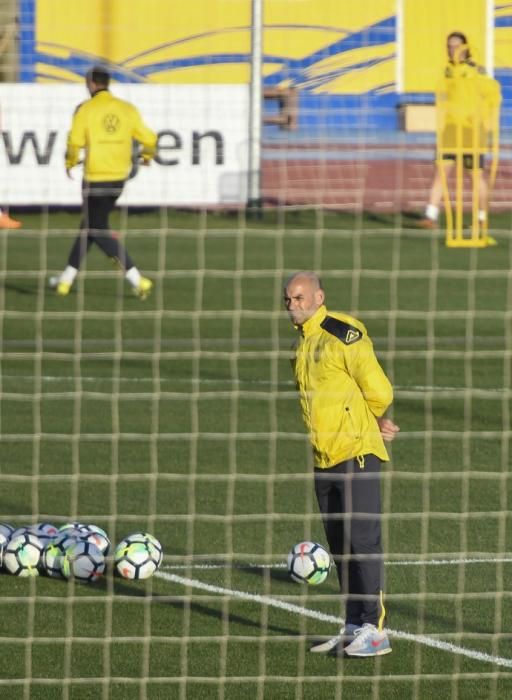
[
  {"x": 104, "y": 127},
  {"x": 344, "y": 394}
]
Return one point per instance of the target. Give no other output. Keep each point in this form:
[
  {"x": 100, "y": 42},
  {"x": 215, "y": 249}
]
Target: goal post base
[
  {"x": 471, "y": 242},
  {"x": 254, "y": 209}
]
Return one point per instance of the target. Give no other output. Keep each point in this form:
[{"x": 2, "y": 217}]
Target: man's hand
[
  {"x": 388, "y": 429},
  {"x": 70, "y": 165}
]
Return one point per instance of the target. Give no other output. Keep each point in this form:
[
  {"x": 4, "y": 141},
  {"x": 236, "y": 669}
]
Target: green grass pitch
[{"x": 178, "y": 415}]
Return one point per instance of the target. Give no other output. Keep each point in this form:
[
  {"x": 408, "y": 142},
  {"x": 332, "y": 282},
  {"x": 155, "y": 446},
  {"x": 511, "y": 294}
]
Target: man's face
[
  {"x": 301, "y": 299},
  {"x": 455, "y": 52}
]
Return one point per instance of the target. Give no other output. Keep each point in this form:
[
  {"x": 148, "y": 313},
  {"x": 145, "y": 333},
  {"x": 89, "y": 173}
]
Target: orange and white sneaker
[{"x": 7, "y": 222}]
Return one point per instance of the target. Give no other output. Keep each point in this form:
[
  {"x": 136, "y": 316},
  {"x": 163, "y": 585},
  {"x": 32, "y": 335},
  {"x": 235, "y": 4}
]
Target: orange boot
[{"x": 7, "y": 222}]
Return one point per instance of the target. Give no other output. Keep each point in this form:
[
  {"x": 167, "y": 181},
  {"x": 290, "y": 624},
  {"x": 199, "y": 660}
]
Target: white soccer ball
[
  {"x": 146, "y": 537},
  {"x": 138, "y": 556},
  {"x": 23, "y": 554},
  {"x": 45, "y": 531},
  {"x": 96, "y": 535},
  {"x": 20, "y": 531},
  {"x": 83, "y": 561},
  {"x": 74, "y": 525},
  {"x": 6, "y": 531},
  {"x": 54, "y": 553},
  {"x": 309, "y": 562}
]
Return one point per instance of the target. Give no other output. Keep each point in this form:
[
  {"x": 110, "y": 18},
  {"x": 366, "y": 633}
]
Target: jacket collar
[
  {"x": 100, "y": 92},
  {"x": 312, "y": 325}
]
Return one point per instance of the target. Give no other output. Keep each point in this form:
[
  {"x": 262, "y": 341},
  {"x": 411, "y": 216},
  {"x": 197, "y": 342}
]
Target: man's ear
[{"x": 320, "y": 296}]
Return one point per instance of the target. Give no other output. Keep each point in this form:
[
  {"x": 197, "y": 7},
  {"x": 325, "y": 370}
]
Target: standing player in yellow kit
[{"x": 461, "y": 74}]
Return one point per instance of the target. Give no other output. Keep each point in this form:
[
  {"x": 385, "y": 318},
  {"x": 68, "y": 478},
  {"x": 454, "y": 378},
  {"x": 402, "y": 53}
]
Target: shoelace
[{"x": 364, "y": 632}]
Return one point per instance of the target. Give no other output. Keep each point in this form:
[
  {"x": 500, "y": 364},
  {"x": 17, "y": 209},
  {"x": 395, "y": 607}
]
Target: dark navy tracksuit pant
[
  {"x": 99, "y": 199},
  {"x": 348, "y": 496}
]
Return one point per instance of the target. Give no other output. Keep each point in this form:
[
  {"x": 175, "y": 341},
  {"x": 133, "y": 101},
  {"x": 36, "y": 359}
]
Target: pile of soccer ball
[
  {"x": 309, "y": 562},
  {"x": 76, "y": 551}
]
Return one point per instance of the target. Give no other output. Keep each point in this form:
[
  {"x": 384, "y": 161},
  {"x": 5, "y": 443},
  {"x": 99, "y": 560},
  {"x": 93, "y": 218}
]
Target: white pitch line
[
  {"x": 146, "y": 380},
  {"x": 398, "y": 562},
  {"x": 317, "y": 615},
  {"x": 450, "y": 562},
  {"x": 220, "y": 381},
  {"x": 224, "y": 565},
  {"x": 252, "y": 597},
  {"x": 452, "y": 648}
]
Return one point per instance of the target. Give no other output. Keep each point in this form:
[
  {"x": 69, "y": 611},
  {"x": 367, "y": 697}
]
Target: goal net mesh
[{"x": 178, "y": 415}]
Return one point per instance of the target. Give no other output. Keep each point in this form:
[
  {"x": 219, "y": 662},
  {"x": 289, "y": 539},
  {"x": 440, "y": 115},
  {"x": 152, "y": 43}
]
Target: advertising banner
[{"x": 202, "y": 144}]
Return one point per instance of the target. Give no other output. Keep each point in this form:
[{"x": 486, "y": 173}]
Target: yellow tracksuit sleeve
[
  {"x": 146, "y": 137},
  {"x": 366, "y": 371},
  {"x": 76, "y": 140}
]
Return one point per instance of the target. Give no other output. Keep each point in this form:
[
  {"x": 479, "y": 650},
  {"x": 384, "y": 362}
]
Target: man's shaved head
[{"x": 306, "y": 276}]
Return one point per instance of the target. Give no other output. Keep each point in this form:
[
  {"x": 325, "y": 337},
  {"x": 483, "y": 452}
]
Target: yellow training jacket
[
  {"x": 468, "y": 94},
  {"x": 105, "y": 127},
  {"x": 342, "y": 388}
]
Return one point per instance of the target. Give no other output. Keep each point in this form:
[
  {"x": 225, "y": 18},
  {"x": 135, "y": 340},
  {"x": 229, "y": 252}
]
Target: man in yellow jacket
[
  {"x": 344, "y": 394},
  {"x": 104, "y": 127}
]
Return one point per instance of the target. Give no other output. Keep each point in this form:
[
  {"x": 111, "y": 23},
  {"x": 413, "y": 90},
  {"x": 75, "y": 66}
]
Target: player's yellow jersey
[{"x": 105, "y": 126}]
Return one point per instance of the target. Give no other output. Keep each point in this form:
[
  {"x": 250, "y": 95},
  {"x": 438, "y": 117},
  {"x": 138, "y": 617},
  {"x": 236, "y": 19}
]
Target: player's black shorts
[{"x": 467, "y": 160}]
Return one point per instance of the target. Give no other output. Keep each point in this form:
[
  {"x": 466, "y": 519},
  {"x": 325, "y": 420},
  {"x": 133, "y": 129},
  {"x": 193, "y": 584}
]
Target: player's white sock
[
  {"x": 432, "y": 212},
  {"x": 133, "y": 276},
  {"x": 69, "y": 274},
  {"x": 482, "y": 215}
]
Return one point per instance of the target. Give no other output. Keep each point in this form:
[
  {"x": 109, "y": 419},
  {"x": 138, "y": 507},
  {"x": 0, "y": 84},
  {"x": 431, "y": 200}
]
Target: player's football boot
[
  {"x": 427, "y": 223},
  {"x": 143, "y": 289},
  {"x": 345, "y": 636},
  {"x": 7, "y": 222},
  {"x": 62, "y": 289},
  {"x": 368, "y": 641}
]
